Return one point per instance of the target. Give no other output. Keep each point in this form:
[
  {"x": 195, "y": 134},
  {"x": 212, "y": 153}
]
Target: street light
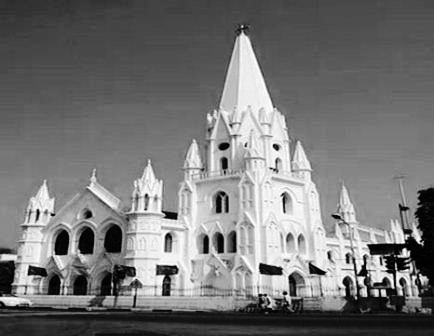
[{"x": 340, "y": 218}]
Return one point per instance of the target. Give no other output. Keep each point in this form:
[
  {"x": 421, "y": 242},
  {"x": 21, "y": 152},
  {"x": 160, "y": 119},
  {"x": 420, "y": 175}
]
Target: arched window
[
  {"x": 30, "y": 214},
  {"x": 380, "y": 260},
  {"x": 203, "y": 243},
  {"x": 349, "y": 286},
  {"x": 277, "y": 165},
  {"x": 219, "y": 242},
  {"x": 168, "y": 241},
  {"x": 54, "y": 285},
  {"x": 224, "y": 164},
  {"x": 348, "y": 258},
  {"x": 232, "y": 242},
  {"x": 286, "y": 203},
  {"x": 290, "y": 243},
  {"x": 113, "y": 240},
  {"x": 61, "y": 244},
  {"x": 330, "y": 256},
  {"x": 136, "y": 201},
  {"x": 221, "y": 202},
  {"x": 80, "y": 285},
  {"x": 301, "y": 244},
  {"x": 404, "y": 287},
  {"x": 146, "y": 199},
  {"x": 38, "y": 214},
  {"x": 86, "y": 241}
]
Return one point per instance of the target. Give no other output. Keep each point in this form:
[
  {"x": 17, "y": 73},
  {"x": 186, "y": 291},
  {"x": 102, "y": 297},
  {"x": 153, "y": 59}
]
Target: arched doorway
[
  {"x": 296, "y": 284},
  {"x": 80, "y": 285},
  {"x": 166, "y": 285},
  {"x": 349, "y": 286},
  {"x": 106, "y": 285},
  {"x": 404, "y": 287},
  {"x": 54, "y": 285}
]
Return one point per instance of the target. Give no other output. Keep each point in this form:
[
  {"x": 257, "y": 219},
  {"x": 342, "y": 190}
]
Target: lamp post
[{"x": 340, "y": 218}]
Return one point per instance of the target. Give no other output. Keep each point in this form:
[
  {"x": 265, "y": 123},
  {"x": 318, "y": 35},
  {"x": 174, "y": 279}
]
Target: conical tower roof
[
  {"x": 299, "y": 160},
  {"x": 192, "y": 159},
  {"x": 345, "y": 206},
  {"x": 244, "y": 84}
]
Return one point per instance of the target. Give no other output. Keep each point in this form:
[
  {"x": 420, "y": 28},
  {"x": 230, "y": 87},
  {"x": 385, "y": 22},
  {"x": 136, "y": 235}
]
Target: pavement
[{"x": 134, "y": 323}]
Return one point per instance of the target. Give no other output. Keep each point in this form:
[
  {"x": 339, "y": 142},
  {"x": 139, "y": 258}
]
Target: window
[
  {"x": 221, "y": 202},
  {"x": 276, "y": 147},
  {"x": 87, "y": 214},
  {"x": 277, "y": 165},
  {"x": 224, "y": 164},
  {"x": 301, "y": 244},
  {"x": 86, "y": 242},
  {"x": 146, "y": 207},
  {"x": 224, "y": 145},
  {"x": 330, "y": 255},
  {"x": 286, "y": 203},
  {"x": 61, "y": 244},
  {"x": 38, "y": 214},
  {"x": 232, "y": 242},
  {"x": 136, "y": 201},
  {"x": 290, "y": 243},
  {"x": 168, "y": 241},
  {"x": 219, "y": 242},
  {"x": 348, "y": 258},
  {"x": 113, "y": 240},
  {"x": 203, "y": 244},
  {"x": 380, "y": 260}
]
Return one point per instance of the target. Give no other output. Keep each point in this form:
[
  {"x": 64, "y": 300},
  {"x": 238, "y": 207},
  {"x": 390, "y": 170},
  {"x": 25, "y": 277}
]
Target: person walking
[{"x": 287, "y": 303}]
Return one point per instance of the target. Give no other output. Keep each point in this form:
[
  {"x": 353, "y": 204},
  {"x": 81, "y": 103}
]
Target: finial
[
  {"x": 93, "y": 177},
  {"x": 242, "y": 28},
  {"x": 149, "y": 162}
]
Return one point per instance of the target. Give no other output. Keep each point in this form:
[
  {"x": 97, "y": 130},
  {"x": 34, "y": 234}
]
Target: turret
[
  {"x": 40, "y": 207},
  {"x": 38, "y": 214},
  {"x": 148, "y": 192},
  {"x": 254, "y": 159},
  {"x": 193, "y": 162},
  {"x": 300, "y": 164}
]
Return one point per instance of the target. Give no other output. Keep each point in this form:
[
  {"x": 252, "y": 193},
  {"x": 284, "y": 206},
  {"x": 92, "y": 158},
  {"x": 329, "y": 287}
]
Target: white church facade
[{"x": 249, "y": 199}]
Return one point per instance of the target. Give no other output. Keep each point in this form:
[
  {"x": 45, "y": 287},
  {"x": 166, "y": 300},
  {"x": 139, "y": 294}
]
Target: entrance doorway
[
  {"x": 296, "y": 284},
  {"x": 106, "y": 285},
  {"x": 166, "y": 285},
  {"x": 348, "y": 284},
  {"x": 54, "y": 286},
  {"x": 80, "y": 285}
]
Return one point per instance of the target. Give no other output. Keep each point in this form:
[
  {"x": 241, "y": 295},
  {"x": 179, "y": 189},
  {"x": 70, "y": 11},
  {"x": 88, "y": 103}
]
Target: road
[{"x": 66, "y": 323}]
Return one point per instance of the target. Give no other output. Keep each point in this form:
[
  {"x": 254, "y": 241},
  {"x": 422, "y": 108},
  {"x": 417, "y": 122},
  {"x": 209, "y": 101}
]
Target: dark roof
[{"x": 170, "y": 215}]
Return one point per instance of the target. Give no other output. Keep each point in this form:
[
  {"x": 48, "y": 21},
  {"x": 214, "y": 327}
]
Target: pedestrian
[
  {"x": 287, "y": 303},
  {"x": 268, "y": 304}
]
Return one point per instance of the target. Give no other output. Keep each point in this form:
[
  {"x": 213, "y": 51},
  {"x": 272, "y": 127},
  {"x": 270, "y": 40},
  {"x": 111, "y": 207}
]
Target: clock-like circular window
[{"x": 224, "y": 145}]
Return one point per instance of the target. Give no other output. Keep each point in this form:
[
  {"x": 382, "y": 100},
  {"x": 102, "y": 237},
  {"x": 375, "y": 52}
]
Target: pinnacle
[{"x": 300, "y": 160}]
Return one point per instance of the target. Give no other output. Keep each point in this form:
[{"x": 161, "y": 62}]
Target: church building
[{"x": 247, "y": 199}]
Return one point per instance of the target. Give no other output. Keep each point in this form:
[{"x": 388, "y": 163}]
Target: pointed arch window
[
  {"x": 86, "y": 241},
  {"x": 232, "y": 242},
  {"x": 301, "y": 244},
  {"x": 136, "y": 201},
  {"x": 348, "y": 258},
  {"x": 219, "y": 242},
  {"x": 221, "y": 201},
  {"x": 286, "y": 203},
  {"x": 30, "y": 214},
  {"x": 61, "y": 244},
  {"x": 146, "y": 199},
  {"x": 38, "y": 214},
  {"x": 113, "y": 240},
  {"x": 168, "y": 243},
  {"x": 290, "y": 243}
]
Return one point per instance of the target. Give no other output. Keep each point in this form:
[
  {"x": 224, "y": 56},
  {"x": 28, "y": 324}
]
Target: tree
[{"x": 423, "y": 254}]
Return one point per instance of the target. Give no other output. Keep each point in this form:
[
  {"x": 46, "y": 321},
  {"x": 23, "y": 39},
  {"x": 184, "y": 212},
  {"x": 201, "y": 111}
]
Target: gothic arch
[
  {"x": 221, "y": 202},
  {"x": 302, "y": 246},
  {"x": 113, "y": 239},
  {"x": 290, "y": 243},
  {"x": 85, "y": 240},
  {"x": 61, "y": 242}
]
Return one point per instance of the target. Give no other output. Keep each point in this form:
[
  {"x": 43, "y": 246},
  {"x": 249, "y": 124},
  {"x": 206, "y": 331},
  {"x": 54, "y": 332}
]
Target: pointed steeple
[
  {"x": 40, "y": 206},
  {"x": 252, "y": 149},
  {"x": 345, "y": 207},
  {"x": 244, "y": 84},
  {"x": 148, "y": 192},
  {"x": 299, "y": 160},
  {"x": 193, "y": 159}
]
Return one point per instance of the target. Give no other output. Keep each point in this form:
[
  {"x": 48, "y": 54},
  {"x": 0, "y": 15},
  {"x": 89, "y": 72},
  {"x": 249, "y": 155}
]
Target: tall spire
[
  {"x": 244, "y": 84},
  {"x": 40, "y": 203},
  {"x": 345, "y": 207}
]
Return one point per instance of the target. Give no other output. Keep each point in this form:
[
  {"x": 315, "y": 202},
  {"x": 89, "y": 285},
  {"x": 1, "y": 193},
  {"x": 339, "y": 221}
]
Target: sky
[{"x": 110, "y": 84}]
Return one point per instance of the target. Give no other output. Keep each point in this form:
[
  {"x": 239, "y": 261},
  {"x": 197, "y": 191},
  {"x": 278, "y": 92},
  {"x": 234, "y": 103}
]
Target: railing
[{"x": 216, "y": 173}]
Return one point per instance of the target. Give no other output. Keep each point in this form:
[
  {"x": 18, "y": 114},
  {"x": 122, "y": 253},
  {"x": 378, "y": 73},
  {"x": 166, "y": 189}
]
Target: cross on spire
[{"x": 242, "y": 28}]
